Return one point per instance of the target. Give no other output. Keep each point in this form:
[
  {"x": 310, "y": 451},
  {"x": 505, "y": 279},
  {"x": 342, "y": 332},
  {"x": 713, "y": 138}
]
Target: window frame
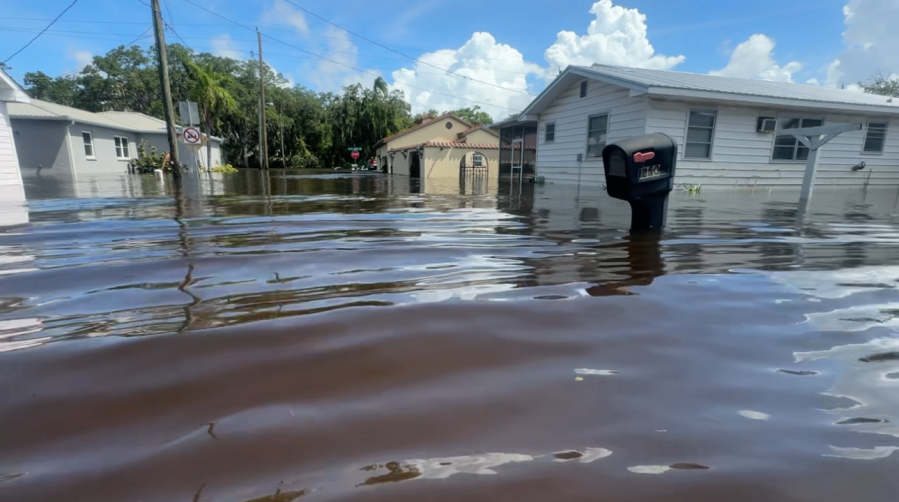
[
  {"x": 886, "y": 129},
  {"x": 93, "y": 155},
  {"x": 797, "y": 145},
  {"x": 546, "y": 132},
  {"x": 587, "y": 156},
  {"x": 474, "y": 159},
  {"x": 711, "y": 140},
  {"x": 122, "y": 143},
  {"x": 583, "y": 89}
]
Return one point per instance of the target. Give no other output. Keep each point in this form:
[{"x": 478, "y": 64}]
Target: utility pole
[
  {"x": 281, "y": 121},
  {"x": 166, "y": 90},
  {"x": 263, "y": 139}
]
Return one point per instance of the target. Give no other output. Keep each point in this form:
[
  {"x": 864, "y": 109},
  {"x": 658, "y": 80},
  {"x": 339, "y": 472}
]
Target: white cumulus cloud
[
  {"x": 481, "y": 59},
  {"x": 871, "y": 42},
  {"x": 754, "y": 58},
  {"x": 81, "y": 57},
  {"x": 616, "y": 36},
  {"x": 338, "y": 69},
  {"x": 281, "y": 12},
  {"x": 223, "y": 46}
]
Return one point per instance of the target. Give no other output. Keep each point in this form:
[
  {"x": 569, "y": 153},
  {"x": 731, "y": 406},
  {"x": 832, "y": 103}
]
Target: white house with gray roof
[
  {"x": 12, "y": 195},
  {"x": 65, "y": 143},
  {"x": 724, "y": 127}
]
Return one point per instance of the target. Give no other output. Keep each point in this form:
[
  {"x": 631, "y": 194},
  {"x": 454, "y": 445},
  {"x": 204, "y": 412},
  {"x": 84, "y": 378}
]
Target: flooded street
[{"x": 356, "y": 336}]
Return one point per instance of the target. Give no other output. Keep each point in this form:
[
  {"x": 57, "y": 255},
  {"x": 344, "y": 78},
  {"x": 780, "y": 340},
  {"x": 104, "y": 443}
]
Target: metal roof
[
  {"x": 137, "y": 121},
  {"x": 686, "y": 86},
  {"x": 123, "y": 121}
]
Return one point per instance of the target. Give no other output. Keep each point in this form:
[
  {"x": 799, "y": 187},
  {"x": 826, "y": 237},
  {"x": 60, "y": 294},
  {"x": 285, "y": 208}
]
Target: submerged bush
[{"x": 226, "y": 168}]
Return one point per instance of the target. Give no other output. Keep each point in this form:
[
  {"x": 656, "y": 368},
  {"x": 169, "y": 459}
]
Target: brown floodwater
[{"x": 341, "y": 337}]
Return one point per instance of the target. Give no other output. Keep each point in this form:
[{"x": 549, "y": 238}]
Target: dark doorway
[{"x": 414, "y": 165}]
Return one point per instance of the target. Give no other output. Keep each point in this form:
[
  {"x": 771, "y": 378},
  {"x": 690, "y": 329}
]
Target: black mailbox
[{"x": 640, "y": 170}]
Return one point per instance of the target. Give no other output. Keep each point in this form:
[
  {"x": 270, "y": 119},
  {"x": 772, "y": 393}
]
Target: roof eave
[
  {"x": 549, "y": 94},
  {"x": 753, "y": 100},
  {"x": 15, "y": 93}
]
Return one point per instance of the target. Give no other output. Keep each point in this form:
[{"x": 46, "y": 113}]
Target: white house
[
  {"x": 724, "y": 127},
  {"x": 12, "y": 195},
  {"x": 65, "y": 143}
]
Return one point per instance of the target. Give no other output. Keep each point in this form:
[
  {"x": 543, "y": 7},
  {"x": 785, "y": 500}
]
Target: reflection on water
[{"x": 259, "y": 330}]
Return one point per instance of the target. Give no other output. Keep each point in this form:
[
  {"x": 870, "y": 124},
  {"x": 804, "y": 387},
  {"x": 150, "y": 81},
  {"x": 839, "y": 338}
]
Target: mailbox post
[{"x": 640, "y": 170}]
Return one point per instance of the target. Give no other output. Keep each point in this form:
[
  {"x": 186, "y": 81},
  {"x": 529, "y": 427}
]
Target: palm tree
[
  {"x": 207, "y": 89},
  {"x": 381, "y": 86}
]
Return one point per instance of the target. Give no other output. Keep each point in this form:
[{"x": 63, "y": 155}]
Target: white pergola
[{"x": 814, "y": 138}]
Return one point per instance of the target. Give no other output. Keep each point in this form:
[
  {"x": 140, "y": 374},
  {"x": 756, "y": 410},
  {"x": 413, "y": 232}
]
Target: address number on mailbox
[{"x": 652, "y": 172}]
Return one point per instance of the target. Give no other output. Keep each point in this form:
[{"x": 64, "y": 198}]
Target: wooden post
[
  {"x": 166, "y": 91},
  {"x": 264, "y": 133}
]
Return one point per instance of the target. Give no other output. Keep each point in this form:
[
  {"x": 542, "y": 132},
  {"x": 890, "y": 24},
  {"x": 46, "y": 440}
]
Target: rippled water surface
[{"x": 362, "y": 337}]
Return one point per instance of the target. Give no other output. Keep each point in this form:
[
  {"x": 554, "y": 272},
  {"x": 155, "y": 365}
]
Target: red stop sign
[{"x": 355, "y": 154}]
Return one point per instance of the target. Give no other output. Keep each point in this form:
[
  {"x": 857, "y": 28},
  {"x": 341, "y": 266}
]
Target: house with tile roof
[
  {"x": 444, "y": 147},
  {"x": 12, "y": 195},
  {"x": 66, "y": 143},
  {"x": 725, "y": 128}
]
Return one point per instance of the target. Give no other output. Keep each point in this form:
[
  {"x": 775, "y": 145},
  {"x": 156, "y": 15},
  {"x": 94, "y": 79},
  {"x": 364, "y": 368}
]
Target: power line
[
  {"x": 343, "y": 64},
  {"x": 307, "y": 11},
  {"x": 42, "y": 32},
  {"x": 142, "y": 35},
  {"x": 267, "y": 27}
]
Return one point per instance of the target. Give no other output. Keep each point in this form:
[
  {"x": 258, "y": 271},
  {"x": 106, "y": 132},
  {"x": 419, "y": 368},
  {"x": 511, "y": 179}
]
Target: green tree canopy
[
  {"x": 879, "y": 84},
  {"x": 305, "y": 128}
]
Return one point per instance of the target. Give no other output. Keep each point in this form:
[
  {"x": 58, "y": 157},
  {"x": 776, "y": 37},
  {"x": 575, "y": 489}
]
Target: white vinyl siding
[
  {"x": 87, "y": 140},
  {"x": 875, "y": 137},
  {"x": 10, "y": 176},
  {"x": 743, "y": 157},
  {"x": 557, "y": 160},
  {"x": 122, "y": 151},
  {"x": 700, "y": 132}
]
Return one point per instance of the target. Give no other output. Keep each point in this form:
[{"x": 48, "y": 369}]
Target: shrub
[
  {"x": 226, "y": 168},
  {"x": 304, "y": 161},
  {"x": 146, "y": 163}
]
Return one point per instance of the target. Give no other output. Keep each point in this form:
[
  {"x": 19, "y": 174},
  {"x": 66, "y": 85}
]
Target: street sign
[
  {"x": 190, "y": 115},
  {"x": 355, "y": 154},
  {"x": 191, "y": 136},
  {"x": 354, "y": 148}
]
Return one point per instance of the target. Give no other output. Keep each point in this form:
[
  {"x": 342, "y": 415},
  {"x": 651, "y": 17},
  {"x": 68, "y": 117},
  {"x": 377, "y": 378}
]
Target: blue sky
[{"x": 797, "y": 41}]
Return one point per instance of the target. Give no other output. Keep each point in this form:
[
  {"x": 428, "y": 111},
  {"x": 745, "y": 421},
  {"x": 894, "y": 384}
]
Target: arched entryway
[{"x": 473, "y": 173}]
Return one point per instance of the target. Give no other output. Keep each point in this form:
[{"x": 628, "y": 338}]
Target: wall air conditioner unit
[{"x": 766, "y": 124}]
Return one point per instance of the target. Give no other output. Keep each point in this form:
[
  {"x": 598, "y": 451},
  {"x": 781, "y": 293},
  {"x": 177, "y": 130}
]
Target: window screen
[
  {"x": 700, "y": 130},
  {"x": 88, "y": 144},
  {"x": 788, "y": 147},
  {"x": 597, "y": 130},
  {"x": 875, "y": 137}
]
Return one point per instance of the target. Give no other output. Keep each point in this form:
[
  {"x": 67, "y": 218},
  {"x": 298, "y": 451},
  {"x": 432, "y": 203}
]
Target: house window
[
  {"x": 788, "y": 147},
  {"x": 700, "y": 130},
  {"x": 875, "y": 137},
  {"x": 121, "y": 148},
  {"x": 550, "y": 133},
  {"x": 88, "y": 140},
  {"x": 477, "y": 160},
  {"x": 597, "y": 129},
  {"x": 584, "y": 89}
]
